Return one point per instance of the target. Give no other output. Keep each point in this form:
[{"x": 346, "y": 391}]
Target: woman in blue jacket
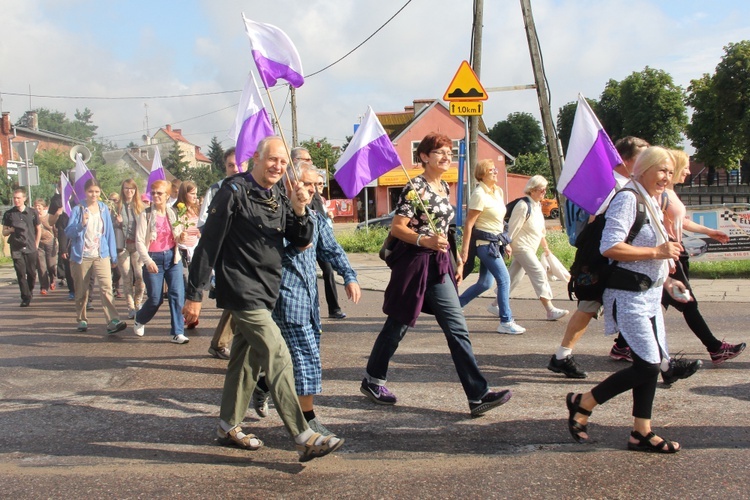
[{"x": 93, "y": 249}]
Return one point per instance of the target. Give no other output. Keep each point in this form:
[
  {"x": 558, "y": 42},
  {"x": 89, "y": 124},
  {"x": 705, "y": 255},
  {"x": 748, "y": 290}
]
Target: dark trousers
[
  {"x": 25, "y": 266},
  {"x": 443, "y": 300},
  {"x": 329, "y": 282},
  {"x": 641, "y": 377},
  {"x": 689, "y": 310}
]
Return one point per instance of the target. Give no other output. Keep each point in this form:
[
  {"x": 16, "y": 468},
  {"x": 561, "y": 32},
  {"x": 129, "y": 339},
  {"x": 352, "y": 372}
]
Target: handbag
[
  {"x": 388, "y": 245},
  {"x": 625, "y": 279}
]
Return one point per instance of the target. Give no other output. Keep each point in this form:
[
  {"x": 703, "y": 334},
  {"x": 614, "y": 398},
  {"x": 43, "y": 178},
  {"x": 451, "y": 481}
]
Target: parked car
[
  {"x": 550, "y": 208},
  {"x": 383, "y": 221}
]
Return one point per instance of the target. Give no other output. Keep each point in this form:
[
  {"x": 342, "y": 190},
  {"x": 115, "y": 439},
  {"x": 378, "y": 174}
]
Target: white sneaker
[
  {"x": 179, "y": 339},
  {"x": 510, "y": 328},
  {"x": 556, "y": 314},
  {"x": 139, "y": 329},
  {"x": 493, "y": 309},
  {"x": 131, "y": 313}
]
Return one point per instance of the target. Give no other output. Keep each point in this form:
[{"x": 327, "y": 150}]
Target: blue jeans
[
  {"x": 490, "y": 268},
  {"x": 172, "y": 274},
  {"x": 443, "y": 300}
]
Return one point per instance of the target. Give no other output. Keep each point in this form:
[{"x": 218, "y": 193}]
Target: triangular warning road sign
[{"x": 465, "y": 86}]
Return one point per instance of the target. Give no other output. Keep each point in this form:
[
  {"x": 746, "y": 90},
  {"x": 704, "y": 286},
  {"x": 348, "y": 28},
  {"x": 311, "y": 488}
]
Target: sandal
[
  {"x": 644, "y": 444},
  {"x": 576, "y": 429},
  {"x": 310, "y": 450},
  {"x": 231, "y": 438}
]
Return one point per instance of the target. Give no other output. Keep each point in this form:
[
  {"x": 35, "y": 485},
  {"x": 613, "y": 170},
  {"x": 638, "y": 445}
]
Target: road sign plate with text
[{"x": 466, "y": 108}]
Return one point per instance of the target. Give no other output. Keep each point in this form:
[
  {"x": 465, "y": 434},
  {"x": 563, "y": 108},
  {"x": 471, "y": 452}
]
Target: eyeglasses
[
  {"x": 441, "y": 152},
  {"x": 492, "y": 171},
  {"x": 128, "y": 189},
  {"x": 158, "y": 193},
  {"x": 303, "y": 159}
]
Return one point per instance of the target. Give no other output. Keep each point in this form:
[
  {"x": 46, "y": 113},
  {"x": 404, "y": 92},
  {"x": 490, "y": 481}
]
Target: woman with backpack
[
  {"x": 675, "y": 220},
  {"x": 483, "y": 238},
  {"x": 632, "y": 302},
  {"x": 527, "y": 230},
  {"x": 157, "y": 233}
]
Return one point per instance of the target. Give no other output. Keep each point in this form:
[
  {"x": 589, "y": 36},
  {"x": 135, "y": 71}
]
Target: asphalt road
[{"x": 86, "y": 415}]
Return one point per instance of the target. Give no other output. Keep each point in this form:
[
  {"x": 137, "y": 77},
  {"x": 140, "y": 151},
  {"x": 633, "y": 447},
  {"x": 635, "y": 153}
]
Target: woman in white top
[
  {"x": 483, "y": 237},
  {"x": 675, "y": 220},
  {"x": 527, "y": 231}
]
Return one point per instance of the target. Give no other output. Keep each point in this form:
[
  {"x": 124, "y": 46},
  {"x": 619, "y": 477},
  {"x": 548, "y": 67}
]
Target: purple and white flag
[
  {"x": 66, "y": 191},
  {"x": 157, "y": 172},
  {"x": 369, "y": 155},
  {"x": 82, "y": 174},
  {"x": 274, "y": 53},
  {"x": 251, "y": 124},
  {"x": 587, "y": 177}
]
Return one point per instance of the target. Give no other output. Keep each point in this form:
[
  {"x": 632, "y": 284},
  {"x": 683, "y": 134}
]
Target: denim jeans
[
  {"x": 489, "y": 268},
  {"x": 172, "y": 274},
  {"x": 443, "y": 300}
]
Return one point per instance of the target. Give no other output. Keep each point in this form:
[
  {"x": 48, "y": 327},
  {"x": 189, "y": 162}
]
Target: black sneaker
[
  {"x": 567, "y": 365},
  {"x": 491, "y": 400},
  {"x": 680, "y": 368},
  {"x": 337, "y": 315}
]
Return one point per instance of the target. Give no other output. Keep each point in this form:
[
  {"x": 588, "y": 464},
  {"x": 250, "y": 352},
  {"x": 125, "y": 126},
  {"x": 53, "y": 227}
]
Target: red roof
[{"x": 176, "y": 135}]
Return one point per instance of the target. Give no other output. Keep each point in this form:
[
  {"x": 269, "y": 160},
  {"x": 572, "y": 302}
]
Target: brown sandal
[
  {"x": 310, "y": 450},
  {"x": 231, "y": 438}
]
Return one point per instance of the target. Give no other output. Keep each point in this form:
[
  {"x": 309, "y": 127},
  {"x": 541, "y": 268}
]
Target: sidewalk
[{"x": 373, "y": 274}]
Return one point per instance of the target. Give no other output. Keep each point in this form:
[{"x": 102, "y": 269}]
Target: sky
[{"x": 120, "y": 56}]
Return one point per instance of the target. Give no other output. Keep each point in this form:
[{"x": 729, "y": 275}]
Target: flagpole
[{"x": 283, "y": 139}]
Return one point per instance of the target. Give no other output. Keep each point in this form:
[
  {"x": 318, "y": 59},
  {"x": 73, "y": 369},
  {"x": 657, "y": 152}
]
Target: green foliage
[
  {"x": 176, "y": 164},
  {"x": 50, "y": 162},
  {"x": 533, "y": 164},
  {"x": 362, "y": 241},
  {"x": 518, "y": 134},
  {"x": 609, "y": 111},
  {"x": 720, "y": 129},
  {"x": 320, "y": 151},
  {"x": 652, "y": 107},
  {"x": 737, "y": 269},
  {"x": 7, "y": 184},
  {"x": 81, "y": 128},
  {"x": 203, "y": 177},
  {"x": 216, "y": 155}
]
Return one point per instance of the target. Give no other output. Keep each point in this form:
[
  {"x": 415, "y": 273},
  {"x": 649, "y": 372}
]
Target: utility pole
[
  {"x": 293, "y": 93},
  {"x": 550, "y": 135},
  {"x": 476, "y": 65}
]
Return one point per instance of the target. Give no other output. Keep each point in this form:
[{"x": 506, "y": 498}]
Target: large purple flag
[
  {"x": 274, "y": 54},
  {"x": 82, "y": 174},
  {"x": 157, "y": 172},
  {"x": 369, "y": 155},
  {"x": 66, "y": 191},
  {"x": 587, "y": 176},
  {"x": 251, "y": 124}
]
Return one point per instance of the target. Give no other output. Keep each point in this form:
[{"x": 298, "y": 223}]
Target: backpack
[
  {"x": 590, "y": 269},
  {"x": 512, "y": 204},
  {"x": 576, "y": 219}
]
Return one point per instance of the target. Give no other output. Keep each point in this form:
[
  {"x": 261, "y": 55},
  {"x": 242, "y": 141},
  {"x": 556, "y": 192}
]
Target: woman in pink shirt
[
  {"x": 157, "y": 235},
  {"x": 675, "y": 220}
]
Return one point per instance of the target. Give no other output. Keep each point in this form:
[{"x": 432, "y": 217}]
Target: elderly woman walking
[
  {"x": 527, "y": 230},
  {"x": 423, "y": 280},
  {"x": 632, "y": 301}
]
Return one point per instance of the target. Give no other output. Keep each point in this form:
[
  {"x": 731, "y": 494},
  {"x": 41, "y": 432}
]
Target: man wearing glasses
[
  {"x": 299, "y": 156},
  {"x": 243, "y": 240}
]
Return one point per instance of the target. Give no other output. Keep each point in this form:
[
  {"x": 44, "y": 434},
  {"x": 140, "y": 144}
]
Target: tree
[
  {"x": 653, "y": 108},
  {"x": 533, "y": 164},
  {"x": 176, "y": 164},
  {"x": 518, "y": 134},
  {"x": 56, "y": 121},
  {"x": 320, "y": 151},
  {"x": 720, "y": 128},
  {"x": 204, "y": 176},
  {"x": 608, "y": 110},
  {"x": 216, "y": 155}
]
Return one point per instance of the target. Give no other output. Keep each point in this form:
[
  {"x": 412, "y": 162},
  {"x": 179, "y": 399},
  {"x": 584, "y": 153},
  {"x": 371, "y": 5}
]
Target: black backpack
[
  {"x": 512, "y": 204},
  {"x": 590, "y": 269}
]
